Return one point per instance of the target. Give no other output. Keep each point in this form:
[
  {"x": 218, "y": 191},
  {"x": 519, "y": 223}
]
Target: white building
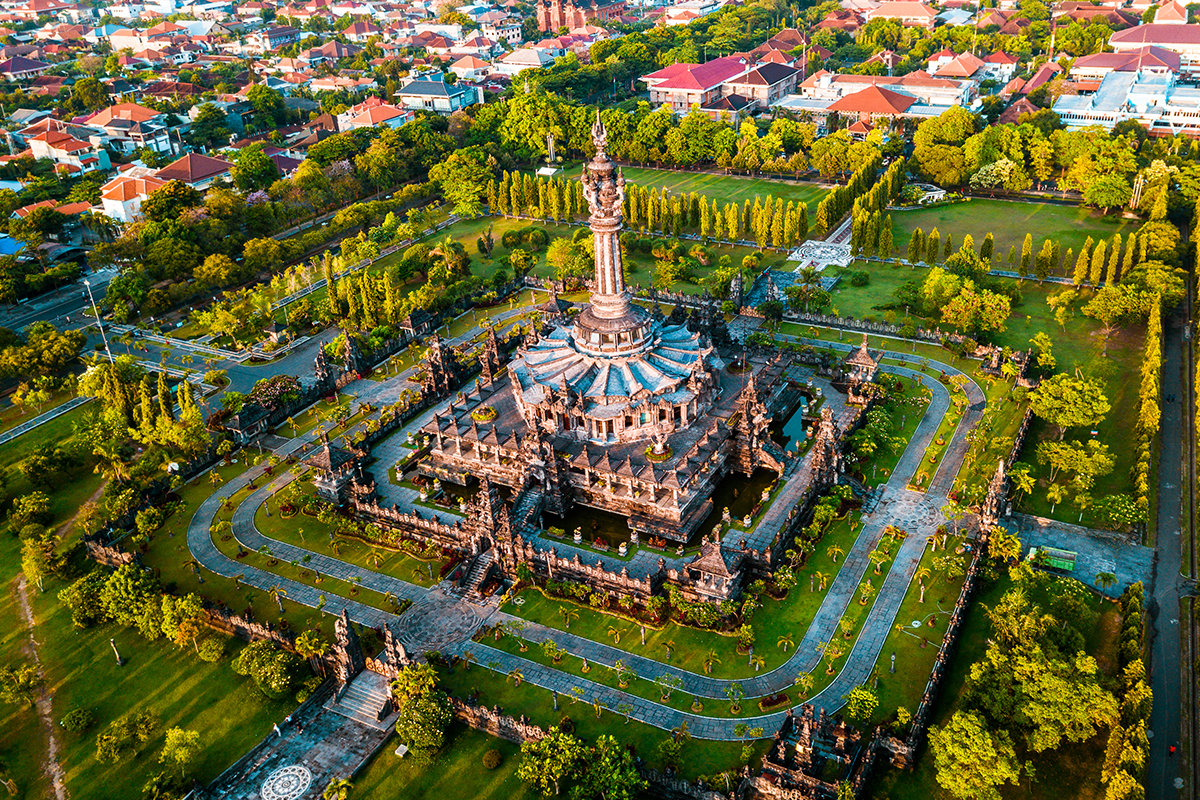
[{"x": 1153, "y": 99}]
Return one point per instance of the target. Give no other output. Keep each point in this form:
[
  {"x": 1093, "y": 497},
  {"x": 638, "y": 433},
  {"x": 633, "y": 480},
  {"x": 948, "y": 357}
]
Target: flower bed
[
  {"x": 658, "y": 458},
  {"x": 774, "y": 701},
  {"x": 483, "y": 414}
]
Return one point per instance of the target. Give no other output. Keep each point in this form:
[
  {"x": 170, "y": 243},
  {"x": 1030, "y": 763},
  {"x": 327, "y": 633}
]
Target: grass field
[
  {"x": 1008, "y": 222},
  {"x": 227, "y": 709},
  {"x": 457, "y": 772},
  {"x": 725, "y": 188}
]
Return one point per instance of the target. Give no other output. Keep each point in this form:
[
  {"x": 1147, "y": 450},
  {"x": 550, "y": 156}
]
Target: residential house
[
  {"x": 19, "y": 68},
  {"x": 470, "y": 68},
  {"x": 71, "y": 155},
  {"x": 501, "y": 27},
  {"x": 520, "y": 60},
  {"x": 198, "y": 171},
  {"x": 129, "y": 127},
  {"x": 1172, "y": 13},
  {"x": 689, "y": 11},
  {"x": 911, "y": 14},
  {"x": 964, "y": 66},
  {"x": 275, "y": 36},
  {"x": 682, "y": 86},
  {"x": 371, "y": 113},
  {"x": 122, "y": 197},
  {"x": 764, "y": 85},
  {"x": 362, "y": 31},
  {"x": 1151, "y": 59},
  {"x": 1000, "y": 67},
  {"x": 434, "y": 94},
  {"x": 888, "y": 59}
]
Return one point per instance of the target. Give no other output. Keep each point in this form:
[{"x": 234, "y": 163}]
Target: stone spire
[{"x": 604, "y": 188}]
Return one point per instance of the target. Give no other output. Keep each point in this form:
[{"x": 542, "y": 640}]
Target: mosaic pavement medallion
[
  {"x": 436, "y": 622},
  {"x": 287, "y": 783}
]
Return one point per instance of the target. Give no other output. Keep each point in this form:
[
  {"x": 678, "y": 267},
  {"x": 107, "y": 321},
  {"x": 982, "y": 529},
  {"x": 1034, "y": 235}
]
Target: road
[
  {"x": 69, "y": 301},
  {"x": 1165, "y": 655}
]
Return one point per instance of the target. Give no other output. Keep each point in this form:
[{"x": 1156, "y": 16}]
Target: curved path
[{"x": 437, "y": 621}]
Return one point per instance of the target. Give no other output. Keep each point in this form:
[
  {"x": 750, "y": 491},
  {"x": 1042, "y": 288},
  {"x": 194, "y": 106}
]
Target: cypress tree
[
  {"x": 652, "y": 209},
  {"x": 915, "y": 246},
  {"x": 885, "y": 238},
  {"x": 791, "y": 225},
  {"x": 491, "y": 195},
  {"x": 503, "y": 193},
  {"x": 747, "y": 219},
  {"x": 516, "y": 199},
  {"x": 678, "y": 215},
  {"x": 1114, "y": 261},
  {"x": 802, "y": 225},
  {"x": 1127, "y": 263},
  {"x": 705, "y": 219},
  {"x": 987, "y": 248},
  {"x": 1044, "y": 260},
  {"x": 822, "y": 220},
  {"x": 949, "y": 248},
  {"x": 166, "y": 405},
  {"x": 531, "y": 191},
  {"x": 694, "y": 210},
  {"x": 732, "y": 222},
  {"x": 777, "y": 226},
  {"x": 1097, "y": 270},
  {"x": 1012, "y": 254},
  {"x": 1067, "y": 259},
  {"x": 1082, "y": 265},
  {"x": 148, "y": 410},
  {"x": 933, "y": 247},
  {"x": 1026, "y": 255}
]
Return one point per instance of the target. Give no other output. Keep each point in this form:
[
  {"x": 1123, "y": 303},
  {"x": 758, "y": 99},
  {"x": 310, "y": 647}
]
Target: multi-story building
[
  {"x": 1181, "y": 39},
  {"x": 434, "y": 94},
  {"x": 764, "y": 85},
  {"x": 1150, "y": 97},
  {"x": 682, "y": 86},
  {"x": 555, "y": 14}
]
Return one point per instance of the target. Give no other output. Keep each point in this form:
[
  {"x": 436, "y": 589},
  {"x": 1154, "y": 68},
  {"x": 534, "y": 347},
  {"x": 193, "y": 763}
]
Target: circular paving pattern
[
  {"x": 287, "y": 783},
  {"x": 436, "y": 622}
]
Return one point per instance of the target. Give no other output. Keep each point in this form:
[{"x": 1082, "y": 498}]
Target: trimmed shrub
[{"x": 492, "y": 759}]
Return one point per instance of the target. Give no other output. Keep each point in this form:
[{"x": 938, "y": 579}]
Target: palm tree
[
  {"x": 878, "y": 558},
  {"x": 785, "y": 642},
  {"x": 710, "y": 658},
  {"x": 758, "y": 662},
  {"x": 821, "y": 579},
  {"x": 194, "y": 566},
  {"x": 338, "y": 789},
  {"x": 922, "y": 575},
  {"x": 1004, "y": 546},
  {"x": 669, "y": 645},
  {"x": 1055, "y": 493},
  {"x": 835, "y": 552},
  {"x": 277, "y": 594},
  {"x": 1105, "y": 580},
  {"x": 568, "y": 614},
  {"x": 615, "y": 632},
  {"x": 516, "y": 676},
  {"x": 467, "y": 658}
]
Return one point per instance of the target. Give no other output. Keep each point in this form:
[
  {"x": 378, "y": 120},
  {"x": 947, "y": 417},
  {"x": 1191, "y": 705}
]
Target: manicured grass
[
  {"x": 11, "y": 416},
  {"x": 230, "y": 713},
  {"x": 1008, "y": 222},
  {"x": 699, "y": 757},
  {"x": 168, "y": 556},
  {"x": 724, "y": 188},
  {"x": 22, "y": 740},
  {"x": 916, "y": 649},
  {"x": 456, "y": 774},
  {"x": 774, "y": 619},
  {"x": 68, "y": 493}
]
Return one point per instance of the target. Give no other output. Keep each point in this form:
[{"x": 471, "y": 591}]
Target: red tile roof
[{"x": 873, "y": 100}]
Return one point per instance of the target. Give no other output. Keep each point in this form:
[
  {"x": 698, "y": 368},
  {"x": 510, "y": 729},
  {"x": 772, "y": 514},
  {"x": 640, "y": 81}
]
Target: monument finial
[{"x": 599, "y": 134}]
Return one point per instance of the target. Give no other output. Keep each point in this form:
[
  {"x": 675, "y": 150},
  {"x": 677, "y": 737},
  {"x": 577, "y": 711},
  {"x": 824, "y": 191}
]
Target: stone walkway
[{"x": 42, "y": 419}]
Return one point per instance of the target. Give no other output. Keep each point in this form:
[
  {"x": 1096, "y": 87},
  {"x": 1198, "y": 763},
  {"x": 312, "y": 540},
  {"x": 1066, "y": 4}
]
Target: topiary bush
[
  {"x": 860, "y": 278},
  {"x": 566, "y": 725},
  {"x": 78, "y": 720},
  {"x": 212, "y": 649},
  {"x": 492, "y": 759}
]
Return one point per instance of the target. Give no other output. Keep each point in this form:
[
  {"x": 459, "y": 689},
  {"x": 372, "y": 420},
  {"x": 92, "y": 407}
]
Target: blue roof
[{"x": 10, "y": 246}]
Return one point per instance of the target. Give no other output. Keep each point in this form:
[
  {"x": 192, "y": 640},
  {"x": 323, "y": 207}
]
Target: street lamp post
[{"x": 103, "y": 337}]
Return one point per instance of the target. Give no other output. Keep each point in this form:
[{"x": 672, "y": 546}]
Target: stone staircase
[
  {"x": 364, "y": 700},
  {"x": 479, "y": 571}
]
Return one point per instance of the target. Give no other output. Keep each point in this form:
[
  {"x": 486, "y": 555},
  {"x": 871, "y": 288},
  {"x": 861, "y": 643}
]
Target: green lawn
[
  {"x": 725, "y": 188},
  {"x": 916, "y": 649},
  {"x": 457, "y": 773},
  {"x": 230, "y": 713},
  {"x": 22, "y": 740},
  {"x": 776, "y": 618},
  {"x": 700, "y": 757},
  {"x": 1008, "y": 222}
]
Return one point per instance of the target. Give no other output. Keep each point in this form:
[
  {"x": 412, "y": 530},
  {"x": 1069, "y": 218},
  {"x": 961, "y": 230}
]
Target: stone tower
[{"x": 347, "y": 651}]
